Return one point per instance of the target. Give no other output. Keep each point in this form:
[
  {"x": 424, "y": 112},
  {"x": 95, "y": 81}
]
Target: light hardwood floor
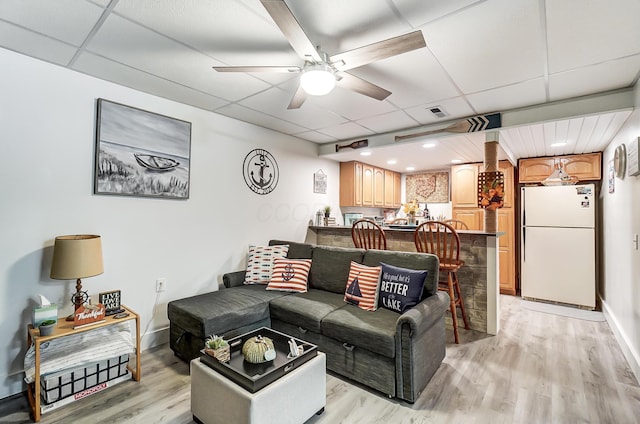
[{"x": 541, "y": 368}]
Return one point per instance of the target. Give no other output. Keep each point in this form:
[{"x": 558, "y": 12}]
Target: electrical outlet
[{"x": 161, "y": 284}]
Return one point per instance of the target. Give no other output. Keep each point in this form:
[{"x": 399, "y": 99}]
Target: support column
[{"x": 491, "y": 165}]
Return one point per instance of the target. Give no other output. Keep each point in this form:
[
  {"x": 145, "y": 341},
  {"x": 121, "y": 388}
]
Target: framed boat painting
[{"x": 141, "y": 153}]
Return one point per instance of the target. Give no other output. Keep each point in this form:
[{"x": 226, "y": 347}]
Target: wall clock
[{"x": 620, "y": 161}]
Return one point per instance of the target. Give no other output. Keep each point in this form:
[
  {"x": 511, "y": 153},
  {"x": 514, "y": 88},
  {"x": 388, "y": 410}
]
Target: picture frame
[
  {"x": 141, "y": 153},
  {"x": 320, "y": 182},
  {"x": 111, "y": 301},
  {"x": 428, "y": 187}
]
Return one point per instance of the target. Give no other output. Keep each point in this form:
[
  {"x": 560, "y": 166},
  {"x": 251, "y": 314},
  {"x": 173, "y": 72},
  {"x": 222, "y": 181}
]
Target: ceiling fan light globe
[{"x": 317, "y": 81}]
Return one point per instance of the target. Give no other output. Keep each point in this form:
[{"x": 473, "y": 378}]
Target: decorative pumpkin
[{"x": 258, "y": 349}]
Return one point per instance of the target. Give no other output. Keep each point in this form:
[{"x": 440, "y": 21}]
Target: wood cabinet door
[
  {"x": 585, "y": 167},
  {"x": 378, "y": 187},
  {"x": 350, "y": 184},
  {"x": 506, "y": 251},
  {"x": 367, "y": 185},
  {"x": 535, "y": 170},
  {"x": 472, "y": 217},
  {"x": 397, "y": 187},
  {"x": 464, "y": 186},
  {"x": 509, "y": 183},
  {"x": 389, "y": 188}
]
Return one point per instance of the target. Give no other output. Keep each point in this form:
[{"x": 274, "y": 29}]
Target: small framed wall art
[{"x": 111, "y": 302}]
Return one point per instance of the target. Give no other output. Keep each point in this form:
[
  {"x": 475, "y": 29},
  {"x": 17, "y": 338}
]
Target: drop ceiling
[{"x": 480, "y": 57}]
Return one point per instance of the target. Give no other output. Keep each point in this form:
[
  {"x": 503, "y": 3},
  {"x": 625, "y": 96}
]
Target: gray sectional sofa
[{"x": 394, "y": 353}]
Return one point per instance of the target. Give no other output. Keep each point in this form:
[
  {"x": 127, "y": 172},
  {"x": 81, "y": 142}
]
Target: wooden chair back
[
  {"x": 457, "y": 224},
  {"x": 366, "y": 234},
  {"x": 440, "y": 239}
]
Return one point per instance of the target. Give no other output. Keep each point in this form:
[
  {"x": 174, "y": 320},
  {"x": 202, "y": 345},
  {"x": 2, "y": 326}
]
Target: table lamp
[{"x": 76, "y": 257}]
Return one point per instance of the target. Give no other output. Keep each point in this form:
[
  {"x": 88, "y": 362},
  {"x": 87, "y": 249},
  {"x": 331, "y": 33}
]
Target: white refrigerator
[{"x": 558, "y": 256}]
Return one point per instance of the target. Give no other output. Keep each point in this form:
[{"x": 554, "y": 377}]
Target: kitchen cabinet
[
  {"x": 585, "y": 167},
  {"x": 350, "y": 184},
  {"x": 369, "y": 186},
  {"x": 464, "y": 206}
]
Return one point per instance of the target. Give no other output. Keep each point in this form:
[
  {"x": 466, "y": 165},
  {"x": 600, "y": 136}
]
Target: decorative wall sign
[
  {"x": 320, "y": 182},
  {"x": 260, "y": 171},
  {"x": 633, "y": 166},
  {"x": 111, "y": 301},
  {"x": 491, "y": 190},
  {"x": 430, "y": 187},
  {"x": 140, "y": 153}
]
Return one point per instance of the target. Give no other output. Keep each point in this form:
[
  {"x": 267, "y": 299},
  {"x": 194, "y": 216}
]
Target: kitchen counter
[{"x": 478, "y": 277}]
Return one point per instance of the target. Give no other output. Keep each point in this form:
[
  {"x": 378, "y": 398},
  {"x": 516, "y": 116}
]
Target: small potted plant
[
  {"x": 327, "y": 211},
  {"x": 46, "y": 327},
  {"x": 217, "y": 347}
]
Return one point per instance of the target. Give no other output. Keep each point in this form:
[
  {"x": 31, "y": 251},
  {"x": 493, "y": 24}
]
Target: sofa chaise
[{"x": 391, "y": 352}]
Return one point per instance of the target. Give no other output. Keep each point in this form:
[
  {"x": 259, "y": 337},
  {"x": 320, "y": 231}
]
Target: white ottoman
[{"x": 293, "y": 398}]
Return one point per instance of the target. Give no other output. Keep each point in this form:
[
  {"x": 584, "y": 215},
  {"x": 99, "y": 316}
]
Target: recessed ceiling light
[
  {"x": 365, "y": 153},
  {"x": 392, "y": 161},
  {"x": 411, "y": 168},
  {"x": 456, "y": 160},
  {"x": 559, "y": 144},
  {"x": 429, "y": 145}
]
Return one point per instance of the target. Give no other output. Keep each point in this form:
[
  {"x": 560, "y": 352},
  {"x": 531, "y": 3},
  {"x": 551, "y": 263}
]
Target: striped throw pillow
[
  {"x": 260, "y": 262},
  {"x": 363, "y": 286},
  {"x": 290, "y": 275}
]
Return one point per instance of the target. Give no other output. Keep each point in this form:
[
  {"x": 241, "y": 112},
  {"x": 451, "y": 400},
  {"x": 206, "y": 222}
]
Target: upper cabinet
[
  {"x": 369, "y": 186},
  {"x": 585, "y": 167},
  {"x": 464, "y": 184}
]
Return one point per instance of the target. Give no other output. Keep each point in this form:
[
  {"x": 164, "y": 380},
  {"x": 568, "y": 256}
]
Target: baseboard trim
[
  {"x": 630, "y": 354},
  {"x": 154, "y": 338}
]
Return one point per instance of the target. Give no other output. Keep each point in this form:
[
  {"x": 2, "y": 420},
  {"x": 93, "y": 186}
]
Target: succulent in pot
[
  {"x": 46, "y": 327},
  {"x": 217, "y": 347}
]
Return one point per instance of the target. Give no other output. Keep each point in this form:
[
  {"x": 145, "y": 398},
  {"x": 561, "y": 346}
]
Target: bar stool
[
  {"x": 366, "y": 234},
  {"x": 442, "y": 240}
]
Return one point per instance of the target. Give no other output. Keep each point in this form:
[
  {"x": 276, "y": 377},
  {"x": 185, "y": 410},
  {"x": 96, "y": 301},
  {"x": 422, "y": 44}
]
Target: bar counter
[{"x": 478, "y": 277}]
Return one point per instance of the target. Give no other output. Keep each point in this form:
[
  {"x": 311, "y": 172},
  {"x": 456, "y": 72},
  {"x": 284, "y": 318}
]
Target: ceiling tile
[
  {"x": 253, "y": 116},
  {"x": 349, "y": 104},
  {"x": 65, "y": 20},
  {"x": 316, "y": 137},
  {"x": 417, "y": 15},
  {"x": 388, "y": 122},
  {"x": 346, "y": 131},
  {"x": 586, "y": 32},
  {"x": 495, "y": 43},
  {"x": 29, "y": 43},
  {"x": 594, "y": 79},
  {"x": 454, "y": 108},
  {"x": 509, "y": 97},
  {"x": 129, "y": 77}
]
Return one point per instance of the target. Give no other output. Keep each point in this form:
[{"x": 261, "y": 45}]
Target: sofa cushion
[
  {"x": 290, "y": 275},
  {"x": 260, "y": 262},
  {"x": 400, "y": 288},
  {"x": 413, "y": 260},
  {"x": 296, "y": 250},
  {"x": 330, "y": 267},
  {"x": 221, "y": 311},
  {"x": 373, "y": 331},
  {"x": 362, "y": 286},
  {"x": 306, "y": 310}
]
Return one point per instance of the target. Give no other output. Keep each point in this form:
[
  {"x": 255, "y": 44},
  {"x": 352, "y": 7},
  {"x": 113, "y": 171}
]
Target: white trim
[
  {"x": 630, "y": 354},
  {"x": 154, "y": 338}
]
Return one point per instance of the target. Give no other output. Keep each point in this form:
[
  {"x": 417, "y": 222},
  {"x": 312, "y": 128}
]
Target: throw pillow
[
  {"x": 362, "y": 286},
  {"x": 290, "y": 275},
  {"x": 400, "y": 288},
  {"x": 260, "y": 262}
]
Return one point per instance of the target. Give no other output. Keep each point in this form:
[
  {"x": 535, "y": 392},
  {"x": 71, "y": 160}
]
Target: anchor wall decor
[{"x": 260, "y": 171}]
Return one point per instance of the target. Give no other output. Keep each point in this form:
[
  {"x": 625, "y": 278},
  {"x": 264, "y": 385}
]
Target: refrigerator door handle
[{"x": 524, "y": 243}]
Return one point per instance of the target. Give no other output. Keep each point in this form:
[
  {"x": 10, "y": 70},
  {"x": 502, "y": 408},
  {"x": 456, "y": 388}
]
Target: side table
[{"x": 63, "y": 329}]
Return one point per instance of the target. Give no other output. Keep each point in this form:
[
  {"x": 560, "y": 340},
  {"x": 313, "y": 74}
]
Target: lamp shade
[
  {"x": 76, "y": 256},
  {"x": 317, "y": 80}
]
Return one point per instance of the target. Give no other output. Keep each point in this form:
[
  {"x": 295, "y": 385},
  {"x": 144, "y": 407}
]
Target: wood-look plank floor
[{"x": 541, "y": 368}]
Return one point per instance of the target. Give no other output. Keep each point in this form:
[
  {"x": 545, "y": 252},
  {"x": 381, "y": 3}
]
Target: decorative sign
[
  {"x": 430, "y": 187},
  {"x": 491, "y": 190},
  {"x": 320, "y": 182},
  {"x": 88, "y": 314},
  {"x": 633, "y": 166},
  {"x": 260, "y": 171},
  {"x": 111, "y": 302}
]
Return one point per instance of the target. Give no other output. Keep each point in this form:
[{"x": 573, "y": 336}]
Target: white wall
[
  {"x": 47, "y": 126},
  {"x": 620, "y": 285}
]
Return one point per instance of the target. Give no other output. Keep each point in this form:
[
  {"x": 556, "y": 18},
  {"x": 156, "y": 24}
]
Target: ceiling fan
[{"x": 320, "y": 71}]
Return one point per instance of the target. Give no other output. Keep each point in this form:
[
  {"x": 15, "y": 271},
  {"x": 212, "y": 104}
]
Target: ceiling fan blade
[
  {"x": 351, "y": 82},
  {"x": 377, "y": 51},
  {"x": 284, "y": 69},
  {"x": 297, "y": 99},
  {"x": 293, "y": 32}
]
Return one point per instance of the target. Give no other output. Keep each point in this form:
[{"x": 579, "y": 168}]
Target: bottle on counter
[
  {"x": 426, "y": 214},
  {"x": 319, "y": 216}
]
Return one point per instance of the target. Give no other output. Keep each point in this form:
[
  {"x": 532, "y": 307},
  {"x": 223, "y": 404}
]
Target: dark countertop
[{"x": 404, "y": 230}]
